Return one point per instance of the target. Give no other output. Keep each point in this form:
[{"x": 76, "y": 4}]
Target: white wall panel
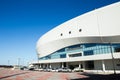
[{"x": 100, "y": 26}]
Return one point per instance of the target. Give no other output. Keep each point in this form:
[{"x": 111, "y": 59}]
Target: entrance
[{"x": 89, "y": 65}]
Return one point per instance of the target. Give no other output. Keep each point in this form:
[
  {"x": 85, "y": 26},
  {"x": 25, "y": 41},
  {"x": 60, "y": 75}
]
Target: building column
[
  {"x": 62, "y": 65},
  {"x": 49, "y": 65},
  {"x": 83, "y": 63},
  {"x": 37, "y": 66},
  {"x": 40, "y": 65},
  {"x": 79, "y": 65},
  {"x": 67, "y": 64},
  {"x": 103, "y": 65}
]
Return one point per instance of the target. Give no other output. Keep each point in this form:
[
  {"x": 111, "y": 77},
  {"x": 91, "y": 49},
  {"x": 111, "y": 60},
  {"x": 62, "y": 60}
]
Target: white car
[
  {"x": 77, "y": 69},
  {"x": 53, "y": 70},
  {"x": 39, "y": 69},
  {"x": 64, "y": 70}
]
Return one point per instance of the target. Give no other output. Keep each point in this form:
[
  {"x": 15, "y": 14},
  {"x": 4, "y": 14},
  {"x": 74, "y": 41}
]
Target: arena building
[{"x": 90, "y": 41}]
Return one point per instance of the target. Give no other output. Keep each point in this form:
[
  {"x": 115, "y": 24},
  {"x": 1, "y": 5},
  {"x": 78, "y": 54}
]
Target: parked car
[
  {"x": 31, "y": 68},
  {"x": 78, "y": 69},
  {"x": 39, "y": 69},
  {"x": 65, "y": 69},
  {"x": 47, "y": 69},
  {"x": 24, "y": 68},
  {"x": 53, "y": 70}
]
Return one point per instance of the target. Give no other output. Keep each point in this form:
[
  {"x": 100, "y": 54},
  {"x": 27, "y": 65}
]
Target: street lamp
[
  {"x": 8, "y": 62},
  {"x": 38, "y": 60},
  {"x": 38, "y": 57},
  {"x": 18, "y": 62}
]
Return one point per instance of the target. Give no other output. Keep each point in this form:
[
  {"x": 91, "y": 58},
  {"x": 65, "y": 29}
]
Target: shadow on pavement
[
  {"x": 98, "y": 76},
  {"x": 13, "y": 75}
]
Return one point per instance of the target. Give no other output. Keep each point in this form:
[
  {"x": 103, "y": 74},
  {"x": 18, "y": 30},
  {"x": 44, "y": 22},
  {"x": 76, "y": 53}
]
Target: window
[
  {"x": 61, "y": 50},
  {"x": 48, "y": 57},
  {"x": 90, "y": 52},
  {"x": 61, "y": 34},
  {"x": 75, "y": 55},
  {"x": 117, "y": 49},
  {"x": 63, "y": 56},
  {"x": 80, "y": 30},
  {"x": 69, "y": 32},
  {"x": 90, "y": 45},
  {"x": 89, "y": 65}
]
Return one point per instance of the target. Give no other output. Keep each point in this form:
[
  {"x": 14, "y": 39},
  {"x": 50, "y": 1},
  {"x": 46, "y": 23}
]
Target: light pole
[
  {"x": 8, "y": 62},
  {"x": 112, "y": 58},
  {"x": 38, "y": 59},
  {"x": 18, "y": 62}
]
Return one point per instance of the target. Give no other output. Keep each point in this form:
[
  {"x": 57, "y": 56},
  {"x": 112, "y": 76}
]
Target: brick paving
[{"x": 8, "y": 74}]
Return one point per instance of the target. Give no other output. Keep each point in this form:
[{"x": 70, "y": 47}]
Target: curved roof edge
[{"x": 100, "y": 25}]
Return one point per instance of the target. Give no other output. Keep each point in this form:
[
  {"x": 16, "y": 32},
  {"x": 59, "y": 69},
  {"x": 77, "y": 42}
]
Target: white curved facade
[
  {"x": 91, "y": 40},
  {"x": 98, "y": 26}
]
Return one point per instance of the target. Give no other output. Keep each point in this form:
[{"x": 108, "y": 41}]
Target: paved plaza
[{"x": 8, "y": 74}]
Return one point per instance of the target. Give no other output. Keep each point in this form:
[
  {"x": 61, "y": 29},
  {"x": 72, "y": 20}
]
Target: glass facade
[{"x": 86, "y": 49}]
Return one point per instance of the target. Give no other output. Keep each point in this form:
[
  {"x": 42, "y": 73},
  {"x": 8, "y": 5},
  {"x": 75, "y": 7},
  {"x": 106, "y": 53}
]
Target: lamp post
[
  {"x": 8, "y": 62},
  {"x": 38, "y": 59},
  {"x": 19, "y": 62},
  {"x": 112, "y": 58}
]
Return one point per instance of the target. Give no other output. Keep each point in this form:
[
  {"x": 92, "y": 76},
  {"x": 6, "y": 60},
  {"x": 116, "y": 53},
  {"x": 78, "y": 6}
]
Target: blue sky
[{"x": 23, "y": 22}]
